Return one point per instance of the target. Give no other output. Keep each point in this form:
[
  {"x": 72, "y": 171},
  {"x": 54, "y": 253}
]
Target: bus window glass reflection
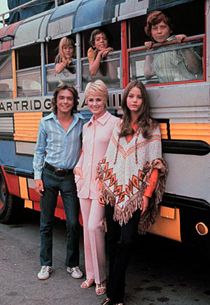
[
  {"x": 29, "y": 71},
  {"x": 178, "y": 57},
  {"x": 101, "y": 56},
  {"x": 63, "y": 68},
  {"x": 6, "y": 83},
  {"x": 169, "y": 66}
]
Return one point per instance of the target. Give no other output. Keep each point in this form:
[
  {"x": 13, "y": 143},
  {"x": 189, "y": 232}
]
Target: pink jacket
[{"x": 96, "y": 136}]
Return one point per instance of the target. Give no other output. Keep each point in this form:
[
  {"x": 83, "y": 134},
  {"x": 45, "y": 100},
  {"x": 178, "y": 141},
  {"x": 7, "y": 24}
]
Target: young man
[
  {"x": 57, "y": 152},
  {"x": 174, "y": 65}
]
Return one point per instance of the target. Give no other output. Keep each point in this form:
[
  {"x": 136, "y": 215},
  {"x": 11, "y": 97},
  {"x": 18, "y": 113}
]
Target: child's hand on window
[
  {"x": 106, "y": 51},
  {"x": 148, "y": 44},
  {"x": 180, "y": 37}
]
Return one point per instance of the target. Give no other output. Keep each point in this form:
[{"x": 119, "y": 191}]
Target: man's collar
[{"x": 52, "y": 115}]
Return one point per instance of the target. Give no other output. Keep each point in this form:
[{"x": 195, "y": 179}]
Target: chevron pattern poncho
[{"x": 124, "y": 174}]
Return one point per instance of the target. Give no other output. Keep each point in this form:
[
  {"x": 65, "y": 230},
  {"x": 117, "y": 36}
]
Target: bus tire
[{"x": 10, "y": 206}]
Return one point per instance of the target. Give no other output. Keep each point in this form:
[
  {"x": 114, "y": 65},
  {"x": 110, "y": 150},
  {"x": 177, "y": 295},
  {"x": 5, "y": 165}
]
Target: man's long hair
[{"x": 55, "y": 95}]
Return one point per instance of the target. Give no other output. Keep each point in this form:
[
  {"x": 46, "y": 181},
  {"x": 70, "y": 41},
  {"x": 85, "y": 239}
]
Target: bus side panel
[
  {"x": 183, "y": 222},
  {"x": 188, "y": 175},
  {"x": 12, "y": 183},
  {"x": 9, "y": 157}
]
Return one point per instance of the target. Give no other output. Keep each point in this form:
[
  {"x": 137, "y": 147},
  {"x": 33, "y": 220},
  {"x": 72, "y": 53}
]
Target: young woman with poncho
[{"x": 132, "y": 178}]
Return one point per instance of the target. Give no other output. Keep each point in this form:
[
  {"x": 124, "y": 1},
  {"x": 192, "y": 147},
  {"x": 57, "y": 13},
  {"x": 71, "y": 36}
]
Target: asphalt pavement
[{"x": 161, "y": 272}]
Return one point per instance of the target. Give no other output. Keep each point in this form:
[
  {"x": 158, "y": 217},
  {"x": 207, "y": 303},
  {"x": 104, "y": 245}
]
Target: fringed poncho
[{"x": 124, "y": 174}]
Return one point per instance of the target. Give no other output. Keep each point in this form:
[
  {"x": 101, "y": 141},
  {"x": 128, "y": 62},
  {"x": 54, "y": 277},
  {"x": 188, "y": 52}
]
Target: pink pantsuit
[{"x": 96, "y": 136}]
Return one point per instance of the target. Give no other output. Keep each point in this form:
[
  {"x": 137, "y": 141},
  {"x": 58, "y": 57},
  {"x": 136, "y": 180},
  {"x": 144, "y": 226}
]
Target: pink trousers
[{"x": 94, "y": 239}]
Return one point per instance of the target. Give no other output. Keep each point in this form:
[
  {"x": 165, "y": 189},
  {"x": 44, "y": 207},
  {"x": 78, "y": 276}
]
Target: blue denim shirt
[{"x": 57, "y": 146}]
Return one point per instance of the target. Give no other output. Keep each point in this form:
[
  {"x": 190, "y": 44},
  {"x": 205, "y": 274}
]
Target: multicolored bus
[{"x": 27, "y": 79}]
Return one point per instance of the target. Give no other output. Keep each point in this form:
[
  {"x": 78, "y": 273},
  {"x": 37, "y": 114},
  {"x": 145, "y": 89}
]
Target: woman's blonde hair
[
  {"x": 97, "y": 86},
  {"x": 65, "y": 41}
]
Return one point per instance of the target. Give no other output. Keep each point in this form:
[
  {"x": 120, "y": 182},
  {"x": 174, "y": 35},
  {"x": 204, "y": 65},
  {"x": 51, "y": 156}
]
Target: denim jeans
[
  {"x": 120, "y": 241},
  {"x": 54, "y": 184}
]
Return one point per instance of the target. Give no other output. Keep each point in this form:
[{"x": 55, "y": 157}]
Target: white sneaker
[
  {"x": 45, "y": 272},
  {"x": 75, "y": 272}
]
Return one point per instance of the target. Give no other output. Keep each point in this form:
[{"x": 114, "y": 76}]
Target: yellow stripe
[
  {"x": 23, "y": 188},
  {"x": 167, "y": 224},
  {"x": 190, "y": 131},
  {"x": 28, "y": 204},
  {"x": 26, "y": 126}
]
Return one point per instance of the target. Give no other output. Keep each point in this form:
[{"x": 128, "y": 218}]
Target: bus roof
[{"x": 74, "y": 17}]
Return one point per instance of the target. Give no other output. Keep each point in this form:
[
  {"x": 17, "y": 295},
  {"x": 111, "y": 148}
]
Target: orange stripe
[
  {"x": 163, "y": 130},
  {"x": 28, "y": 204},
  {"x": 26, "y": 126},
  {"x": 14, "y": 76},
  {"x": 190, "y": 131},
  {"x": 23, "y": 187},
  {"x": 167, "y": 223}
]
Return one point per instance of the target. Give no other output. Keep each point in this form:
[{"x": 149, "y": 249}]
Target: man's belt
[{"x": 57, "y": 170}]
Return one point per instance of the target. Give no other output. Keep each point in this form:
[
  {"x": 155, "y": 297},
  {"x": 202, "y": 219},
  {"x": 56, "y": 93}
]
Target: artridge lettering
[
  {"x": 16, "y": 103},
  {"x": 47, "y": 104},
  {"x": 25, "y": 105},
  {"x": 2, "y": 106},
  {"x": 31, "y": 104},
  {"x": 9, "y": 106},
  {"x": 37, "y": 104}
]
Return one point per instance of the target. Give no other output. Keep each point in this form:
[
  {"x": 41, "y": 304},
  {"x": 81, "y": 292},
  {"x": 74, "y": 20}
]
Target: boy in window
[
  {"x": 97, "y": 52},
  {"x": 170, "y": 66}
]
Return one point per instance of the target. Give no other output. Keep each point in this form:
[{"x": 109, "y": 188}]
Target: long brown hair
[{"x": 145, "y": 122}]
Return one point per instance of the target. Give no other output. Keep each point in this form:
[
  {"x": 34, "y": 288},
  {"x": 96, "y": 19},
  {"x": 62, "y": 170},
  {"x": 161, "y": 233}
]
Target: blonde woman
[{"x": 96, "y": 135}]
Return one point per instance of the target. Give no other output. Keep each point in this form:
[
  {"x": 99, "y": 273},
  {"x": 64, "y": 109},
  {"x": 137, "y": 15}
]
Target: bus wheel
[{"x": 9, "y": 212}]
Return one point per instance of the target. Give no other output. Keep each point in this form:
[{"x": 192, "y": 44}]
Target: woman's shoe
[
  {"x": 107, "y": 301},
  {"x": 101, "y": 288},
  {"x": 87, "y": 283}
]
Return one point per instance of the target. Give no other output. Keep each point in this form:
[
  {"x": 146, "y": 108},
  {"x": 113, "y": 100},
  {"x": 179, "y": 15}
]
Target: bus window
[
  {"x": 137, "y": 36},
  {"x": 53, "y": 78},
  {"x": 51, "y": 51},
  {"x": 6, "y": 84},
  {"x": 173, "y": 64},
  {"x": 29, "y": 71},
  {"x": 111, "y": 76},
  {"x": 109, "y": 70},
  {"x": 169, "y": 62}
]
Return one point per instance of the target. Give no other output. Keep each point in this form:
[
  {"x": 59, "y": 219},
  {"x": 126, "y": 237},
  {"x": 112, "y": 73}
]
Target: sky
[{"x": 3, "y": 7}]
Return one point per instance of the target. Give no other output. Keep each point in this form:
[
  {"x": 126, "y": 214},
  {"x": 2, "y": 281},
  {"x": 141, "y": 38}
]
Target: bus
[{"x": 27, "y": 79}]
